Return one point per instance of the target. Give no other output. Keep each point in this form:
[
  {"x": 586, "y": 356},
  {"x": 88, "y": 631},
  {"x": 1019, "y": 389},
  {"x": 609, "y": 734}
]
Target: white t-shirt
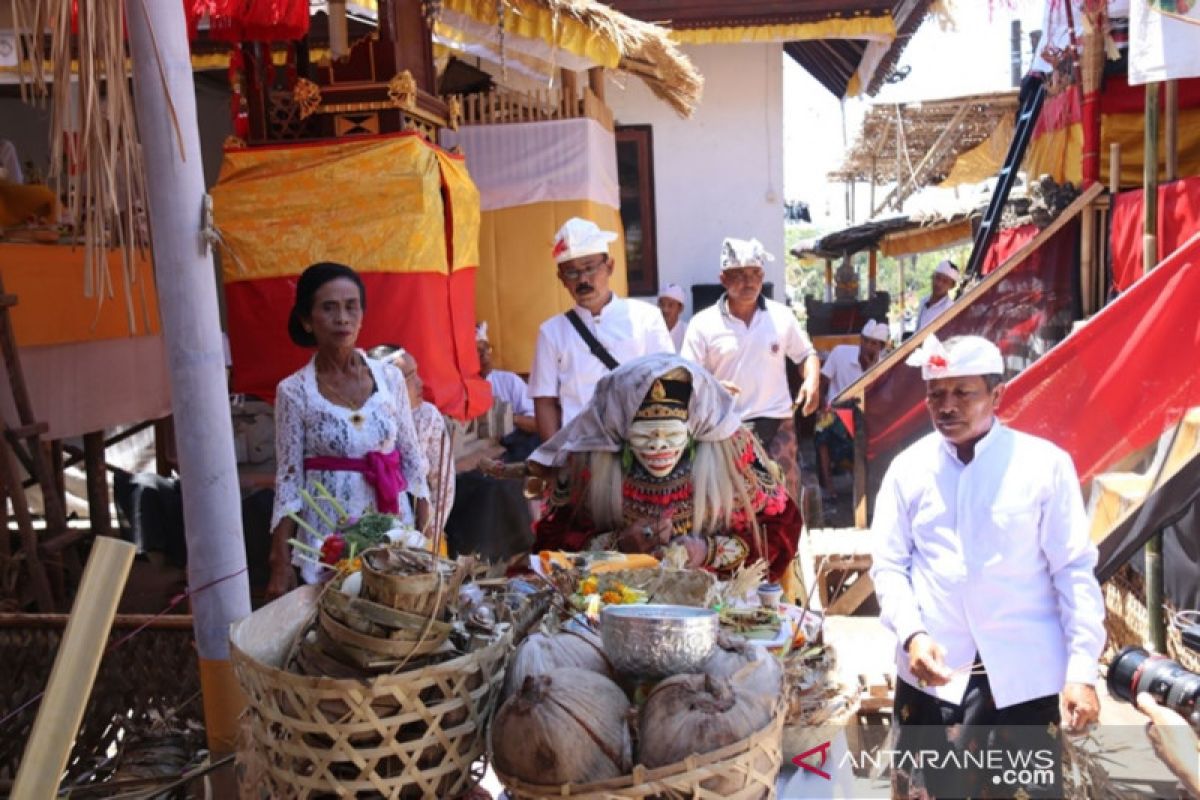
[
  {"x": 677, "y": 334},
  {"x": 842, "y": 369},
  {"x": 930, "y": 312},
  {"x": 564, "y": 367},
  {"x": 750, "y": 356},
  {"x": 509, "y": 387}
]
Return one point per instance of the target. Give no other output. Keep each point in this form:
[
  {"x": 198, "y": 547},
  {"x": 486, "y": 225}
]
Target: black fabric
[
  {"x": 490, "y": 518},
  {"x": 926, "y": 723},
  {"x": 1174, "y": 510},
  {"x": 153, "y": 509},
  {"x": 592, "y": 342},
  {"x": 765, "y": 429},
  {"x": 519, "y": 446}
]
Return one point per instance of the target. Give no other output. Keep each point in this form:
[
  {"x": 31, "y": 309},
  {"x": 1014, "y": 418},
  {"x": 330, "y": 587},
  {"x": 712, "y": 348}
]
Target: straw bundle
[{"x": 95, "y": 157}]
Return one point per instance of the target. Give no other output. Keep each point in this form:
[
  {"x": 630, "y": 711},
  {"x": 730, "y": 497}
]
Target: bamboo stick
[
  {"x": 74, "y": 670},
  {"x": 1114, "y": 167}
]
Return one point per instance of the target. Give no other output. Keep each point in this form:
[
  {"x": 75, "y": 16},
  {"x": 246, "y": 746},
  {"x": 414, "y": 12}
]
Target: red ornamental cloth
[
  {"x": 381, "y": 470},
  {"x": 1007, "y": 243},
  {"x": 249, "y": 20},
  {"x": 1120, "y": 381},
  {"x": 563, "y": 529},
  {"x": 1178, "y": 220}
]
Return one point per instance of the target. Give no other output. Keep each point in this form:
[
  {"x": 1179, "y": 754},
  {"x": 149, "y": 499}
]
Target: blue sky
[{"x": 972, "y": 58}]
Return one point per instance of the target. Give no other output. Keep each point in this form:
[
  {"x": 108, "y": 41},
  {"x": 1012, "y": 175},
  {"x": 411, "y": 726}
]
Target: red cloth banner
[
  {"x": 1006, "y": 244},
  {"x": 1116, "y": 384},
  {"x": 1178, "y": 220}
]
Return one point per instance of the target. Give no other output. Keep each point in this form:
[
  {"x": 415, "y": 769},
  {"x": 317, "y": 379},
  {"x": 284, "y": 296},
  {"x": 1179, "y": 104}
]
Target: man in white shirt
[
  {"x": 506, "y": 386},
  {"x": 945, "y": 277},
  {"x": 843, "y": 366},
  {"x": 983, "y": 567},
  {"x": 670, "y": 302},
  {"x": 743, "y": 340},
  {"x": 566, "y": 366}
]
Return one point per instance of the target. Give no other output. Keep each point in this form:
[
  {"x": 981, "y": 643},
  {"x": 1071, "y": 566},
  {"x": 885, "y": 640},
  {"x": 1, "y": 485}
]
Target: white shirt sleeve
[
  {"x": 892, "y": 561},
  {"x": 412, "y": 459},
  {"x": 658, "y": 337},
  {"x": 289, "y": 451},
  {"x": 1071, "y": 560},
  {"x": 829, "y": 368},
  {"x": 799, "y": 346},
  {"x": 543, "y": 375},
  {"x": 693, "y": 344}
]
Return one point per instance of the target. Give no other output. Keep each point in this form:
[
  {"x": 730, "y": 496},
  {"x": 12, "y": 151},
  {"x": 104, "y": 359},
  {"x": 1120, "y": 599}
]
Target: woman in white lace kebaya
[{"x": 342, "y": 420}]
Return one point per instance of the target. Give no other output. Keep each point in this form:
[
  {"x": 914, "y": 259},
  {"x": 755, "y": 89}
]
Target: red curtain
[
  {"x": 1117, "y": 383},
  {"x": 1006, "y": 243},
  {"x": 249, "y": 20},
  {"x": 1178, "y": 219}
]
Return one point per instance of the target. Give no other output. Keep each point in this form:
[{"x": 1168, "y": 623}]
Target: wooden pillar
[
  {"x": 596, "y": 82},
  {"x": 872, "y": 271},
  {"x": 164, "y": 446},
  {"x": 570, "y": 94},
  {"x": 1114, "y": 168},
  {"x": 97, "y": 483},
  {"x": 1171, "y": 129},
  {"x": 860, "y": 463},
  {"x": 828, "y": 281},
  {"x": 1156, "y": 633}
]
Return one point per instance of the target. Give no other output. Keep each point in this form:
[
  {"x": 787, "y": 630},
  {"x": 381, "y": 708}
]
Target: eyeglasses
[{"x": 585, "y": 271}]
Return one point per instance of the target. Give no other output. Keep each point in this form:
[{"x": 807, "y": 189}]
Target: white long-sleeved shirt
[
  {"x": 750, "y": 356},
  {"x": 992, "y": 557},
  {"x": 929, "y": 312}
]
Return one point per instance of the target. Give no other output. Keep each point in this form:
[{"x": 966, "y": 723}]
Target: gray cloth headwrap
[{"x": 604, "y": 423}]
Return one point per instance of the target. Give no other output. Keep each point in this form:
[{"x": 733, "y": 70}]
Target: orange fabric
[
  {"x": 19, "y": 202},
  {"x": 374, "y": 204},
  {"x": 51, "y": 309},
  {"x": 518, "y": 287}
]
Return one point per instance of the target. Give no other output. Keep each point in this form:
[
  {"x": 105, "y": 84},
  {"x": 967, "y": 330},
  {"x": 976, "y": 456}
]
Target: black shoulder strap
[{"x": 592, "y": 342}]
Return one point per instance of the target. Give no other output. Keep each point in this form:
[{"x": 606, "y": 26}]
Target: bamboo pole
[
  {"x": 1114, "y": 168},
  {"x": 74, "y": 671},
  {"x": 1156, "y": 634},
  {"x": 165, "y": 100},
  {"x": 1171, "y": 129}
]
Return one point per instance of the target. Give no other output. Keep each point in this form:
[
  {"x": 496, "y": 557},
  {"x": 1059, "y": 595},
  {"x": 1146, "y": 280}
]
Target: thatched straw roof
[
  {"x": 888, "y": 152},
  {"x": 646, "y": 50}
]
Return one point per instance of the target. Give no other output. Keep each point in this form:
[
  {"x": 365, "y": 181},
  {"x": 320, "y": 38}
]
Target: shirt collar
[
  {"x": 980, "y": 447},
  {"x": 723, "y": 303},
  {"x": 613, "y": 304}
]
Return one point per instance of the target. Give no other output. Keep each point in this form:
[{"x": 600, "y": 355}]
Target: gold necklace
[{"x": 356, "y": 416}]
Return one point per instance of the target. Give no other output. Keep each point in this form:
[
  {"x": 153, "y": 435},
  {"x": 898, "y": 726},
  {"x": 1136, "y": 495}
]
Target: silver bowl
[{"x": 656, "y": 641}]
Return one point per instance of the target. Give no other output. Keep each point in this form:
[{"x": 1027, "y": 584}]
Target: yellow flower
[
  {"x": 589, "y": 586},
  {"x": 630, "y": 595}
]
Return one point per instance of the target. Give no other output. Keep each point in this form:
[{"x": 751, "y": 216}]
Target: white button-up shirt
[
  {"x": 564, "y": 367},
  {"x": 677, "y": 334},
  {"x": 750, "y": 356},
  {"x": 929, "y": 313},
  {"x": 841, "y": 368},
  {"x": 509, "y": 387},
  {"x": 992, "y": 557}
]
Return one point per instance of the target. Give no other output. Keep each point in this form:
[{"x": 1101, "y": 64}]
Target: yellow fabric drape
[
  {"x": 382, "y": 195},
  {"x": 882, "y": 28},
  {"x": 534, "y": 21},
  {"x": 516, "y": 288},
  {"x": 464, "y": 204},
  {"x": 984, "y": 160},
  {"x": 923, "y": 240}
]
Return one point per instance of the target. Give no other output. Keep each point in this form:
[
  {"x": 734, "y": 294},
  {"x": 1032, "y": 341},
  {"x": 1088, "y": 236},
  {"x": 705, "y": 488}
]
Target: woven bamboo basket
[
  {"x": 1126, "y": 621},
  {"x": 373, "y": 628},
  {"x": 820, "y": 703},
  {"x": 746, "y": 770},
  {"x": 425, "y": 594},
  {"x": 415, "y": 734}
]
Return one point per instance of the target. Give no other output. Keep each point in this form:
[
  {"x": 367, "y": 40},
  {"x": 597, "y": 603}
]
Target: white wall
[{"x": 721, "y": 172}]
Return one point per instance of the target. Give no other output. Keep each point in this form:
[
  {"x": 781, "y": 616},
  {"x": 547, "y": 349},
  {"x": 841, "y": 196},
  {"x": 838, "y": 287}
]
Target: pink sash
[{"x": 382, "y": 471}]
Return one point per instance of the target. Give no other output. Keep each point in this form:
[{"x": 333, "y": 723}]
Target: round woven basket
[
  {"x": 425, "y": 594},
  {"x": 416, "y": 734},
  {"x": 819, "y": 703},
  {"x": 746, "y": 770}
]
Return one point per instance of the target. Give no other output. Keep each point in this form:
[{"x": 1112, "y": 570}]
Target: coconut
[
  {"x": 732, "y": 657},
  {"x": 696, "y": 714},
  {"x": 540, "y": 653},
  {"x": 567, "y": 726}
]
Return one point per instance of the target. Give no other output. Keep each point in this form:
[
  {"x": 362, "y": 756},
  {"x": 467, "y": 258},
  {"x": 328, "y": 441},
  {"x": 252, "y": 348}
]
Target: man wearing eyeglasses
[
  {"x": 743, "y": 341},
  {"x": 577, "y": 349}
]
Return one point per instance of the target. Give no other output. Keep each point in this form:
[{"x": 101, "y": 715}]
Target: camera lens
[{"x": 1134, "y": 670}]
